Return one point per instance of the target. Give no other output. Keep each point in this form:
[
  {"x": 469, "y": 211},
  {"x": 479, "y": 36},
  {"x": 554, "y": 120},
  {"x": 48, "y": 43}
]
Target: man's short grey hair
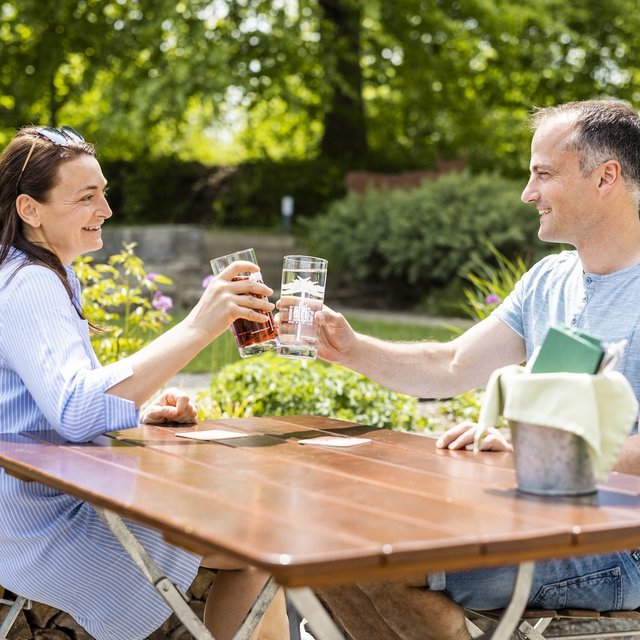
[{"x": 603, "y": 130}]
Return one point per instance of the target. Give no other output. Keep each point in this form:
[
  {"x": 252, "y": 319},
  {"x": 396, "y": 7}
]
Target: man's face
[{"x": 566, "y": 200}]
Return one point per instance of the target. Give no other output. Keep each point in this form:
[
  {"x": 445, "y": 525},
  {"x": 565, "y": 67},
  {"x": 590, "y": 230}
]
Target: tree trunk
[{"x": 345, "y": 133}]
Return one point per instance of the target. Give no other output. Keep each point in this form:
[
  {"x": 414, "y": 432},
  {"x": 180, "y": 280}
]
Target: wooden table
[{"x": 320, "y": 516}]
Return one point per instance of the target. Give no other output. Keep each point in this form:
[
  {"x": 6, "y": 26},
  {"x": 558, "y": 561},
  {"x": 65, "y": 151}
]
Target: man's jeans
[{"x": 601, "y": 582}]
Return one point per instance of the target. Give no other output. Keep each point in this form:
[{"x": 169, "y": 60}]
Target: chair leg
[
  {"x": 474, "y": 630},
  {"x": 295, "y": 620},
  {"x": 12, "y": 614}
]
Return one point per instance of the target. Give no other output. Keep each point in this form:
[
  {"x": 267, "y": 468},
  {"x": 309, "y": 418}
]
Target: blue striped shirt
[{"x": 53, "y": 548}]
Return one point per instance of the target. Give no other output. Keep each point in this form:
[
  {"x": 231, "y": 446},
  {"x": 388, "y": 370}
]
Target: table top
[{"x": 317, "y": 516}]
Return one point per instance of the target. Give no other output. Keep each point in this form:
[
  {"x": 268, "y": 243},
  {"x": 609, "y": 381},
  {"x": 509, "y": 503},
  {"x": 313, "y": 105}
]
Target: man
[{"x": 585, "y": 183}]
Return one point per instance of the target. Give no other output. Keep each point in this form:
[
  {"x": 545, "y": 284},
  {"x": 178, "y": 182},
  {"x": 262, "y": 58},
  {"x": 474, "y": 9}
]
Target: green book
[{"x": 566, "y": 349}]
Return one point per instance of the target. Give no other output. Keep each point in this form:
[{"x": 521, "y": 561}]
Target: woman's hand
[
  {"x": 171, "y": 406},
  {"x": 231, "y": 295},
  {"x": 336, "y": 337},
  {"x": 462, "y": 436}
]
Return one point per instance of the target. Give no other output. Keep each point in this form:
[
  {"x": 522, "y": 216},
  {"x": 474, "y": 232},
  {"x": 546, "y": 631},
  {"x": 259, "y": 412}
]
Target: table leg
[
  {"x": 173, "y": 597},
  {"x": 309, "y": 607},
  {"x": 513, "y": 613}
]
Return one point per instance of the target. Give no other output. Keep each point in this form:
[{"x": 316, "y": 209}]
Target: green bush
[
  {"x": 491, "y": 284},
  {"x": 123, "y": 301},
  {"x": 270, "y": 385},
  {"x": 410, "y": 242},
  {"x": 167, "y": 190}
]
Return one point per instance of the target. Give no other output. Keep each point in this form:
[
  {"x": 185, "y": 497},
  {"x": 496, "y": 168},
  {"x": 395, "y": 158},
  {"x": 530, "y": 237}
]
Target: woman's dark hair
[{"x": 29, "y": 164}]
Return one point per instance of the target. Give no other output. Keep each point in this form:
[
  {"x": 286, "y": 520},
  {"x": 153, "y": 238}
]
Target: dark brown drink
[{"x": 255, "y": 337}]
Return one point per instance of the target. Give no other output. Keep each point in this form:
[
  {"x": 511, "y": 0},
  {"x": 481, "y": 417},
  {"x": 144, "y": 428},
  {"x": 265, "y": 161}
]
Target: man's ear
[
  {"x": 610, "y": 174},
  {"x": 27, "y": 210}
]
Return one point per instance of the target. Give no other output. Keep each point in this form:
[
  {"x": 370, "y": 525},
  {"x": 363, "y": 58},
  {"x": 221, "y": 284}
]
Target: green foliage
[
  {"x": 410, "y": 242},
  {"x": 254, "y": 194},
  {"x": 124, "y": 301},
  {"x": 465, "y": 406},
  {"x": 491, "y": 284},
  {"x": 275, "y": 386},
  {"x": 453, "y": 80},
  {"x": 166, "y": 190}
]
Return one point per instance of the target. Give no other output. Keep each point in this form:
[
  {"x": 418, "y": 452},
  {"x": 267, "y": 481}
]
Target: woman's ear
[{"x": 27, "y": 210}]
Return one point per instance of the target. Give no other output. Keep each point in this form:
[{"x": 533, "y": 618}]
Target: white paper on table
[
  {"x": 212, "y": 434},
  {"x": 334, "y": 441}
]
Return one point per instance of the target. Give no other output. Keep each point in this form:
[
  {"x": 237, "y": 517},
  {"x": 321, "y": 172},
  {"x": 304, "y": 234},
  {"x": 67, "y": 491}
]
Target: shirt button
[
  {"x": 584, "y": 299},
  {"x": 574, "y": 321}
]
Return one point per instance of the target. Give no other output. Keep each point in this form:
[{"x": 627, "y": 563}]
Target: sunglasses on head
[{"x": 60, "y": 136}]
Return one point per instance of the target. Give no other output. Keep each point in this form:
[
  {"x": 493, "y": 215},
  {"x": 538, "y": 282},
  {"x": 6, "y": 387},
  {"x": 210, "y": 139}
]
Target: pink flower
[
  {"x": 206, "y": 281},
  {"x": 493, "y": 298},
  {"x": 151, "y": 276},
  {"x": 161, "y": 302}
]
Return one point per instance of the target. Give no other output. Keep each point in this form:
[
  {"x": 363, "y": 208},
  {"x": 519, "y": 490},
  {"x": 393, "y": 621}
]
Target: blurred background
[{"x": 390, "y": 137}]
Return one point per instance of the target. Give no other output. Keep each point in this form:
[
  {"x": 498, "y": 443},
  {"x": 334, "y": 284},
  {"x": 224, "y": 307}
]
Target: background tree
[{"x": 352, "y": 84}]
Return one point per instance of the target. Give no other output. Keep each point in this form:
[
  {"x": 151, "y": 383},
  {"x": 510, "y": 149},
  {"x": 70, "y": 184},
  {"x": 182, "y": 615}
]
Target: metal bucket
[{"x": 551, "y": 462}]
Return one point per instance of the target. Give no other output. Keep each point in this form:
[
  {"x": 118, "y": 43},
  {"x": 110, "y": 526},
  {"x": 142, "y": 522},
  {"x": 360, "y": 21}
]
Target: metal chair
[
  {"x": 534, "y": 623},
  {"x": 15, "y": 606}
]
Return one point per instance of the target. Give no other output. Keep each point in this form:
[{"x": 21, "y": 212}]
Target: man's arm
[
  {"x": 424, "y": 369},
  {"x": 629, "y": 460}
]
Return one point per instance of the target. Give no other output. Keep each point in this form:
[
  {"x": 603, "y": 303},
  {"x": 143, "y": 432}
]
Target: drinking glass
[
  {"x": 302, "y": 295},
  {"x": 252, "y": 337}
]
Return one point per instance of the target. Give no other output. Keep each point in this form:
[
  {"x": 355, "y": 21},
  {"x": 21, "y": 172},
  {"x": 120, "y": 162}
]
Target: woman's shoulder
[{"x": 18, "y": 274}]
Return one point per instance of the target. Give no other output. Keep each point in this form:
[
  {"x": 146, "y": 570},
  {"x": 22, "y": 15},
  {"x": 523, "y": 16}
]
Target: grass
[{"x": 223, "y": 350}]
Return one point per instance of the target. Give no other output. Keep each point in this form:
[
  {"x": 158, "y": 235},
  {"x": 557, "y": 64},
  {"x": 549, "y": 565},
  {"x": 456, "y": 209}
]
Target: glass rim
[{"x": 304, "y": 258}]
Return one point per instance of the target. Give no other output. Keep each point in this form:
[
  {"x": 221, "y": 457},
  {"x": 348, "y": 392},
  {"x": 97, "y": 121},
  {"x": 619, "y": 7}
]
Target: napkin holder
[{"x": 551, "y": 462}]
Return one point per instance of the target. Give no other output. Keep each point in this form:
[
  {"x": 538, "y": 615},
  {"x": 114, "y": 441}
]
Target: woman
[{"x": 53, "y": 548}]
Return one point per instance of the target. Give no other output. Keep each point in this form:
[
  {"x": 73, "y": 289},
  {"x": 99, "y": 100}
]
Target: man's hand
[
  {"x": 462, "y": 436},
  {"x": 171, "y": 406},
  {"x": 336, "y": 337}
]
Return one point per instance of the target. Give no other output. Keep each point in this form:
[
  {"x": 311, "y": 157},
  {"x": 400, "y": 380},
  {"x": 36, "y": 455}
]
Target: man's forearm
[{"x": 629, "y": 460}]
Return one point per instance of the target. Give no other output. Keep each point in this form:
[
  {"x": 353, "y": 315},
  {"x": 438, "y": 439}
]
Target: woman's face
[{"x": 70, "y": 222}]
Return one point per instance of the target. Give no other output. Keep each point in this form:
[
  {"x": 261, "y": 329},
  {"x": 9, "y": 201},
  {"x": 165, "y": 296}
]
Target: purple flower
[
  {"x": 151, "y": 276},
  {"x": 161, "y": 302},
  {"x": 493, "y": 298},
  {"x": 206, "y": 281}
]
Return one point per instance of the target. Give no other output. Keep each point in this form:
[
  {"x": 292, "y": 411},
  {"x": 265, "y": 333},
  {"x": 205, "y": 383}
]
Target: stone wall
[{"x": 183, "y": 252}]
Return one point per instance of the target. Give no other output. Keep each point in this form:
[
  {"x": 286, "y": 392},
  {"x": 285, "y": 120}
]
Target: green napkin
[
  {"x": 599, "y": 408},
  {"x": 571, "y": 350}
]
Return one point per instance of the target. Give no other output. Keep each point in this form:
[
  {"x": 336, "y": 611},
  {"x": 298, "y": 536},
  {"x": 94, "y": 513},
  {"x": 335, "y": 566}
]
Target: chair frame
[
  {"x": 534, "y": 622},
  {"x": 15, "y": 606}
]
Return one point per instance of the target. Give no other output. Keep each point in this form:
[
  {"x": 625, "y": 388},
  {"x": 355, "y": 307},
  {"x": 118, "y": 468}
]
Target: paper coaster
[
  {"x": 334, "y": 441},
  {"x": 211, "y": 434}
]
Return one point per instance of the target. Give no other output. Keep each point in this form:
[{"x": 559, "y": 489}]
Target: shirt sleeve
[
  {"x": 512, "y": 309},
  {"x": 44, "y": 340}
]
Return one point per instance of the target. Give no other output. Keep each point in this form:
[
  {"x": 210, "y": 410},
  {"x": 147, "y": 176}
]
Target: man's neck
[{"x": 611, "y": 252}]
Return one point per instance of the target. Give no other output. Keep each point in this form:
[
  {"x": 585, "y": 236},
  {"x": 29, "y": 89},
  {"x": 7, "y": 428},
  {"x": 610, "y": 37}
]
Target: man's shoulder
[{"x": 555, "y": 264}]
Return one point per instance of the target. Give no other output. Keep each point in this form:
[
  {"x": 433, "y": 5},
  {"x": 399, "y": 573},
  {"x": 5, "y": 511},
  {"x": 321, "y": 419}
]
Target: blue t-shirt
[{"x": 556, "y": 291}]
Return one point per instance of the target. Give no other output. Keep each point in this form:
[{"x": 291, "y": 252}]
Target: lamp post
[{"x": 286, "y": 208}]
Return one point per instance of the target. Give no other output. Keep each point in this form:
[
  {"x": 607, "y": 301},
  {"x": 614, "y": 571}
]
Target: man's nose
[{"x": 529, "y": 194}]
